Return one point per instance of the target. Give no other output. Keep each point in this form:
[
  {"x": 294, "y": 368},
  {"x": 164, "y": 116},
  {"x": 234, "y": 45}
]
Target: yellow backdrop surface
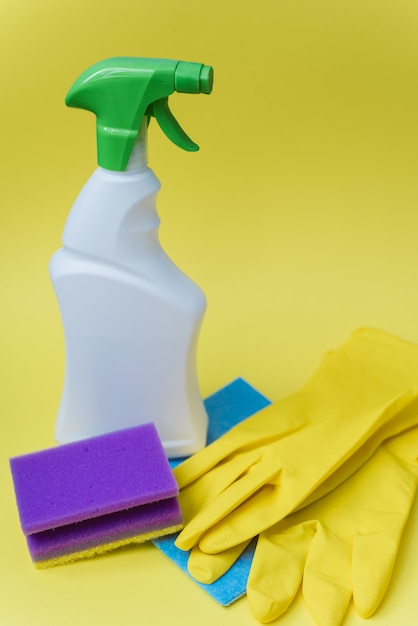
[{"x": 298, "y": 218}]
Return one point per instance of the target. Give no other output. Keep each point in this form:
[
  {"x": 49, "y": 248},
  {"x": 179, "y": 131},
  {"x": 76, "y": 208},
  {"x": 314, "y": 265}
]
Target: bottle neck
[{"x": 139, "y": 155}]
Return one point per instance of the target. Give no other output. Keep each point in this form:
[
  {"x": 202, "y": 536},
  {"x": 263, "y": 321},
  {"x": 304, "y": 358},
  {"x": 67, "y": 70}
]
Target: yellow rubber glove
[
  {"x": 341, "y": 547},
  {"x": 206, "y": 568},
  {"x": 268, "y": 465}
]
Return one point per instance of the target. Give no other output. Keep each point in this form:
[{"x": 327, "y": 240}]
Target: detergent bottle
[{"x": 131, "y": 318}]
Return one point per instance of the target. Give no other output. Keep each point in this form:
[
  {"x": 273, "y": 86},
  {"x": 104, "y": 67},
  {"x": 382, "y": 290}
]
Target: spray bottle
[{"x": 131, "y": 318}]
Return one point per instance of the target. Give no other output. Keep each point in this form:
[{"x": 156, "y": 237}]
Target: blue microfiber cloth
[{"x": 226, "y": 408}]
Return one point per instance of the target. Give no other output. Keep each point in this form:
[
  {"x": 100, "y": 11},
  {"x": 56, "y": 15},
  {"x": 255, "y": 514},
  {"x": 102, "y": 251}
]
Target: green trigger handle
[
  {"x": 170, "y": 126},
  {"x": 123, "y": 90}
]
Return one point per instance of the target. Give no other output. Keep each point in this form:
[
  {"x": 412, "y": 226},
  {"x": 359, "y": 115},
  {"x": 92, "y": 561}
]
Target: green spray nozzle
[{"x": 122, "y": 91}]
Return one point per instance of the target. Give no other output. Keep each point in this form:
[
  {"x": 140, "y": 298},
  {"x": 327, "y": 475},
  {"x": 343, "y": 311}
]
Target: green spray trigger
[
  {"x": 122, "y": 91},
  {"x": 170, "y": 126}
]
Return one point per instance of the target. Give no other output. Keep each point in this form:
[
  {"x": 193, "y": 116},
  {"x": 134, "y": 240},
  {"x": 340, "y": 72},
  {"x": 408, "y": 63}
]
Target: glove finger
[
  {"x": 259, "y": 512},
  {"x": 224, "y": 504},
  {"x": 277, "y": 570},
  {"x": 374, "y": 553},
  {"x": 374, "y": 557},
  {"x": 327, "y": 588},
  {"x": 206, "y": 568},
  {"x": 198, "y": 494}
]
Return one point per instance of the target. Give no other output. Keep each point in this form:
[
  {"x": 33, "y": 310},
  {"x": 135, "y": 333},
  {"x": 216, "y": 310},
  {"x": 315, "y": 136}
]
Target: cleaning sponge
[{"x": 87, "y": 497}]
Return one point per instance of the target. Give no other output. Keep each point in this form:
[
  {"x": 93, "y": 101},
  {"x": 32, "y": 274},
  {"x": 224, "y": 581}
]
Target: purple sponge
[{"x": 85, "y": 498}]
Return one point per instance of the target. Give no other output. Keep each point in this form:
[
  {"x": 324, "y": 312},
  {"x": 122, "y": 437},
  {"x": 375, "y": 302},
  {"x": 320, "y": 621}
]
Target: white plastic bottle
[{"x": 131, "y": 318}]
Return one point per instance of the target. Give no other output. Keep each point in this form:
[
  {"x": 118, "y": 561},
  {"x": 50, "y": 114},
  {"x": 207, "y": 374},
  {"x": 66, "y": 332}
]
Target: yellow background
[{"x": 298, "y": 218}]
